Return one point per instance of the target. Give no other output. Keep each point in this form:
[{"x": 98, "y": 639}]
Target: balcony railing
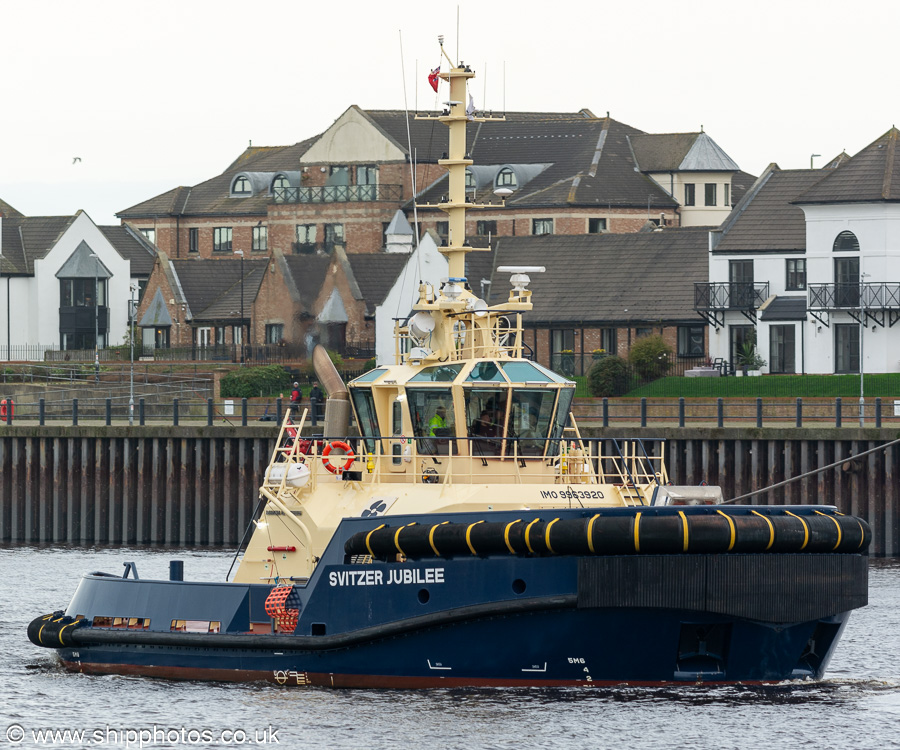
[
  {"x": 737, "y": 295},
  {"x": 878, "y": 296},
  {"x": 338, "y": 194}
]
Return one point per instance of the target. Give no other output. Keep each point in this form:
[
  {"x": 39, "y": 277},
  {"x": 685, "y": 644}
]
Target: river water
[{"x": 857, "y": 706}]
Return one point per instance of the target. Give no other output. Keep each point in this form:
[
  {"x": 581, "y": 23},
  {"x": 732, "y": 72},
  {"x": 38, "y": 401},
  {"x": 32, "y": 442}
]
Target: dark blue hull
[{"x": 493, "y": 619}]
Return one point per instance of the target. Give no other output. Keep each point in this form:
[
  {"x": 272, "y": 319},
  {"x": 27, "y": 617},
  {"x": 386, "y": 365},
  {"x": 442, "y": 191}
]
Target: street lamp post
[
  {"x": 241, "y": 253},
  {"x": 862, "y": 329},
  {"x": 132, "y": 307}
]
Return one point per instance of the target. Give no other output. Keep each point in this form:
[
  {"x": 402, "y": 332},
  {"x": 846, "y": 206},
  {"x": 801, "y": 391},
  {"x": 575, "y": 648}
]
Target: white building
[
  {"x": 808, "y": 262},
  {"x": 65, "y": 283}
]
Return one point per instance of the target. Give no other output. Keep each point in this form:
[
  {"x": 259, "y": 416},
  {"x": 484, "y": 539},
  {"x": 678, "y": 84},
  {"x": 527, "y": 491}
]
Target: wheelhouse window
[
  {"x": 542, "y": 226},
  {"x": 596, "y": 226},
  {"x": 845, "y": 242},
  {"x": 222, "y": 240},
  {"x": 710, "y": 198},
  {"x": 431, "y": 413},
  {"x": 795, "y": 278},
  {"x": 691, "y": 341},
  {"x": 242, "y": 187},
  {"x": 366, "y": 418},
  {"x": 689, "y": 194},
  {"x": 260, "y": 239}
]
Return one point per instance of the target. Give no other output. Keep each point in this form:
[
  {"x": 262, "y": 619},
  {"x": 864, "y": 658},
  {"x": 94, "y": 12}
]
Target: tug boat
[{"x": 471, "y": 536}]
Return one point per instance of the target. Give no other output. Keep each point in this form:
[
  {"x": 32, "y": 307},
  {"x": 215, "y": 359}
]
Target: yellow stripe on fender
[
  {"x": 684, "y": 525},
  {"x": 733, "y": 531},
  {"x": 637, "y": 532},
  {"x": 369, "y": 535},
  {"x": 397, "y": 538},
  {"x": 527, "y": 531},
  {"x": 547, "y": 535},
  {"x": 506, "y": 535},
  {"x": 589, "y": 535},
  {"x": 469, "y": 536},
  {"x": 862, "y": 533},
  {"x": 771, "y": 528},
  {"x": 431, "y": 537},
  {"x": 805, "y": 529},
  {"x": 835, "y": 522}
]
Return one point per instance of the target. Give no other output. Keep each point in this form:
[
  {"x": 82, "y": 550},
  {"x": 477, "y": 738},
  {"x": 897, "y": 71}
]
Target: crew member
[{"x": 438, "y": 421}]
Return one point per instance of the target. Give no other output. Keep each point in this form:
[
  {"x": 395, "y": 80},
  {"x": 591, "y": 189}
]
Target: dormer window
[
  {"x": 241, "y": 186},
  {"x": 506, "y": 178},
  {"x": 470, "y": 180},
  {"x": 280, "y": 183},
  {"x": 846, "y": 242}
]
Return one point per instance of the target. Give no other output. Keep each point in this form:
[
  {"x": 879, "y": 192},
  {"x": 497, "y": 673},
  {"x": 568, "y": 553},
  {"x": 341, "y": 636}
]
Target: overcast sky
[{"x": 152, "y": 95}]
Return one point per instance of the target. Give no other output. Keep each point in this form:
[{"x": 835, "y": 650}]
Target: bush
[
  {"x": 649, "y": 356},
  {"x": 309, "y": 371},
  {"x": 248, "y": 382},
  {"x": 608, "y": 377}
]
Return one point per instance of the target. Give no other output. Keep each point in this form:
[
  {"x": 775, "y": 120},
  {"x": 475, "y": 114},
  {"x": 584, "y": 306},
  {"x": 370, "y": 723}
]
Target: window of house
[
  {"x": 149, "y": 234},
  {"x": 334, "y": 235},
  {"x": 306, "y": 234},
  {"x": 281, "y": 182},
  {"x": 596, "y": 226},
  {"x": 222, "y": 240},
  {"x": 726, "y": 189},
  {"x": 237, "y": 335},
  {"x": 241, "y": 186},
  {"x": 260, "y": 239},
  {"x": 366, "y": 174},
  {"x": 562, "y": 351},
  {"x": 638, "y": 332},
  {"x": 485, "y": 228},
  {"x": 741, "y": 289},
  {"x": 542, "y": 226},
  {"x": 470, "y": 180},
  {"x": 782, "y": 349},
  {"x": 506, "y": 178},
  {"x": 846, "y": 242},
  {"x": 609, "y": 340},
  {"x": 846, "y": 347},
  {"x": 738, "y": 337},
  {"x": 82, "y": 292},
  {"x": 691, "y": 341},
  {"x": 220, "y": 335},
  {"x": 689, "y": 194},
  {"x": 846, "y": 282},
  {"x": 443, "y": 229},
  {"x": 710, "y": 198},
  {"x": 274, "y": 333},
  {"x": 193, "y": 240},
  {"x": 204, "y": 337},
  {"x": 795, "y": 280}
]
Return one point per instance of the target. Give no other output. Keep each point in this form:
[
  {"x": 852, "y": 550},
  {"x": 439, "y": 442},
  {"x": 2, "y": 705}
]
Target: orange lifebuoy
[{"x": 348, "y": 452}]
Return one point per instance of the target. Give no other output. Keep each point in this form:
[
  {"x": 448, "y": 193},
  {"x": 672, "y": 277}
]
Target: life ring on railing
[{"x": 348, "y": 452}]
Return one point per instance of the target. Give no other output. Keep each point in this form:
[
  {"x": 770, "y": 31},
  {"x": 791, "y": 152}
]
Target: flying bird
[{"x": 76, "y": 159}]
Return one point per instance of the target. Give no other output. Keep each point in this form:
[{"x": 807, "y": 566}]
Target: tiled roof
[
  {"x": 671, "y": 152},
  {"x": 871, "y": 175},
  {"x": 39, "y": 235},
  {"x": 8, "y": 212},
  {"x": 375, "y": 274},
  {"x": 592, "y": 279},
  {"x": 767, "y": 220},
  {"x": 213, "y": 195},
  {"x": 308, "y": 274},
  {"x": 132, "y": 246},
  {"x": 216, "y": 294},
  {"x": 785, "y": 308}
]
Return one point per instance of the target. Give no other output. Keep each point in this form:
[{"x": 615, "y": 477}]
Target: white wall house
[
  {"x": 65, "y": 284},
  {"x": 425, "y": 264},
  {"x": 809, "y": 263}
]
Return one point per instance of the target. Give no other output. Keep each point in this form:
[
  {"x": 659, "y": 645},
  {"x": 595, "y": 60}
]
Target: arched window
[
  {"x": 506, "y": 178},
  {"x": 470, "y": 179},
  {"x": 241, "y": 186},
  {"x": 280, "y": 183},
  {"x": 846, "y": 242}
]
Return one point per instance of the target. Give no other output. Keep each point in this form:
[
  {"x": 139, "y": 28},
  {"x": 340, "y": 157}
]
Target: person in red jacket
[{"x": 296, "y": 395}]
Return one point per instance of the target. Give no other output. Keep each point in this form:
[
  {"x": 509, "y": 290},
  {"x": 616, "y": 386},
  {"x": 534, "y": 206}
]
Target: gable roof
[
  {"x": 8, "y": 211},
  {"x": 82, "y": 265},
  {"x": 132, "y": 246},
  {"x": 871, "y": 175},
  {"x": 216, "y": 295},
  {"x": 766, "y": 219},
  {"x": 306, "y": 273},
  {"x": 592, "y": 279},
  {"x": 375, "y": 274}
]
